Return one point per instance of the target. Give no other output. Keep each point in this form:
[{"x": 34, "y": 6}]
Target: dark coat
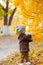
[{"x": 24, "y": 41}]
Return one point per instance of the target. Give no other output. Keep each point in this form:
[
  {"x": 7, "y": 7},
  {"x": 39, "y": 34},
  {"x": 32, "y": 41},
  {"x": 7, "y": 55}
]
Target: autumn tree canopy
[{"x": 32, "y": 10}]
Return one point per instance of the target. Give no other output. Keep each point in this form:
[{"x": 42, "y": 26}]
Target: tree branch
[
  {"x": 2, "y": 7},
  {"x": 11, "y": 17},
  {"x": 7, "y": 4}
]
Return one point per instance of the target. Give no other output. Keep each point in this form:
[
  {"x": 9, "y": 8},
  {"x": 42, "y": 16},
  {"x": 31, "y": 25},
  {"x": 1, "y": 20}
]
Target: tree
[
  {"x": 7, "y": 22},
  {"x": 32, "y": 9}
]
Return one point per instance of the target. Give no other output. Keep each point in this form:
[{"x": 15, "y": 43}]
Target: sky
[{"x": 0, "y": 1}]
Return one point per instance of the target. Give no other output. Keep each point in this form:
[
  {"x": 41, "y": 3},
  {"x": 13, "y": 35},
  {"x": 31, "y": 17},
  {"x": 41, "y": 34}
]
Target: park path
[{"x": 8, "y": 45}]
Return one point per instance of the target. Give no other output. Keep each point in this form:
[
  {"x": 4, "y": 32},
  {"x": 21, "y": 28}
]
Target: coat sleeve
[
  {"x": 29, "y": 38},
  {"x": 22, "y": 37}
]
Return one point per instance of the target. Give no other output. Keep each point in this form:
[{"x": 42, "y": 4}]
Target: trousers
[{"x": 24, "y": 57}]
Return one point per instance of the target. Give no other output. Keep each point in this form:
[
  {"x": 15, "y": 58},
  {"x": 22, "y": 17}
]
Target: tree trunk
[
  {"x": 11, "y": 17},
  {"x": 10, "y": 21},
  {"x": 5, "y": 30}
]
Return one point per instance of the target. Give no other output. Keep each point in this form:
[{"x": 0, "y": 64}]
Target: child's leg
[
  {"x": 27, "y": 58},
  {"x": 22, "y": 57}
]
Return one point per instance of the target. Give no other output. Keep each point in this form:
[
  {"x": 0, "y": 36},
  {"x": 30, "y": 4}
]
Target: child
[{"x": 24, "y": 45}]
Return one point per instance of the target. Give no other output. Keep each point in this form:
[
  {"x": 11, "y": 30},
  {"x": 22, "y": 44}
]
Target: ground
[
  {"x": 10, "y": 53},
  {"x": 8, "y": 45}
]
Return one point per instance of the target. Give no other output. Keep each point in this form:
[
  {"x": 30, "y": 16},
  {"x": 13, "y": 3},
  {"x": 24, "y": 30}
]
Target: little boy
[{"x": 24, "y": 45}]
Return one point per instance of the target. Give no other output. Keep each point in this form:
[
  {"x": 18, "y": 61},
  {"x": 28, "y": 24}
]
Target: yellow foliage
[
  {"x": 16, "y": 2},
  {"x": 27, "y": 7},
  {"x": 34, "y": 55},
  {"x": 31, "y": 9}
]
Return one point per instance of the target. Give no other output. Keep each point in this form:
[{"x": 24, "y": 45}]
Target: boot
[{"x": 28, "y": 63}]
